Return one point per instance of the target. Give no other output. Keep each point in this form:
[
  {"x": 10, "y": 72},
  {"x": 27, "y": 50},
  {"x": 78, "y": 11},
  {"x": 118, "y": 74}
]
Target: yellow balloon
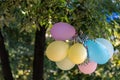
[
  {"x": 77, "y": 53},
  {"x": 65, "y": 64},
  {"x": 57, "y": 51}
]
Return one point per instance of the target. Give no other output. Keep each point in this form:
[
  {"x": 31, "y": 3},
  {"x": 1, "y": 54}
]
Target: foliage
[{"x": 22, "y": 17}]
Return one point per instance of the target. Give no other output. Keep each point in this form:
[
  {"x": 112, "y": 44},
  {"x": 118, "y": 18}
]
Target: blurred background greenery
[{"x": 88, "y": 16}]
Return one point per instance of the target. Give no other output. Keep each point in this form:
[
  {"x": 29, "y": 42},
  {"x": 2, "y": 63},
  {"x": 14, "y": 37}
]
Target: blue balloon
[
  {"x": 115, "y": 15},
  {"x": 107, "y": 44},
  {"x": 97, "y": 52},
  {"x": 112, "y": 17},
  {"x": 109, "y": 18}
]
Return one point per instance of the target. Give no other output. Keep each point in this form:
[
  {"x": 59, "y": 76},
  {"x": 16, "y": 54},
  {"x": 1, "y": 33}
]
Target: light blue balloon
[
  {"x": 107, "y": 44},
  {"x": 97, "y": 52}
]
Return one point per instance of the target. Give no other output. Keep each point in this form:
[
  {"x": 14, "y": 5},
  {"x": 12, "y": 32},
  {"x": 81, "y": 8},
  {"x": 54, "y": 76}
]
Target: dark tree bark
[
  {"x": 6, "y": 70},
  {"x": 39, "y": 53}
]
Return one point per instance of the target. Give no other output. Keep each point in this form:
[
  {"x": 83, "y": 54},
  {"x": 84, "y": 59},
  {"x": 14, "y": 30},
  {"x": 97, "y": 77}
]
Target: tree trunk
[
  {"x": 5, "y": 60},
  {"x": 39, "y": 53}
]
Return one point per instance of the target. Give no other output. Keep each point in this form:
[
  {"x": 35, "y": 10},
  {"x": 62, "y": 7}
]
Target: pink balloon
[
  {"x": 88, "y": 68},
  {"x": 62, "y": 31}
]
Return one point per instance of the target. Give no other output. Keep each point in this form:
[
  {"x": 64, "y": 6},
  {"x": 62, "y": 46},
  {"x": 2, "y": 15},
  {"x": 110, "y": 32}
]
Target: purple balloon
[{"x": 62, "y": 31}]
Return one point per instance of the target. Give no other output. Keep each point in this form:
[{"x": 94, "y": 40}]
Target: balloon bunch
[{"x": 80, "y": 50}]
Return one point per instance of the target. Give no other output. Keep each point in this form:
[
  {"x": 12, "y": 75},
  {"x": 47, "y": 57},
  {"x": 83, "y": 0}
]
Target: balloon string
[
  {"x": 82, "y": 38},
  {"x": 84, "y": 63},
  {"x": 74, "y": 38},
  {"x": 74, "y": 41}
]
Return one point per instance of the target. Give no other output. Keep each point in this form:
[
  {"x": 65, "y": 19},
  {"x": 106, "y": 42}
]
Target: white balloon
[
  {"x": 107, "y": 44},
  {"x": 65, "y": 64}
]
